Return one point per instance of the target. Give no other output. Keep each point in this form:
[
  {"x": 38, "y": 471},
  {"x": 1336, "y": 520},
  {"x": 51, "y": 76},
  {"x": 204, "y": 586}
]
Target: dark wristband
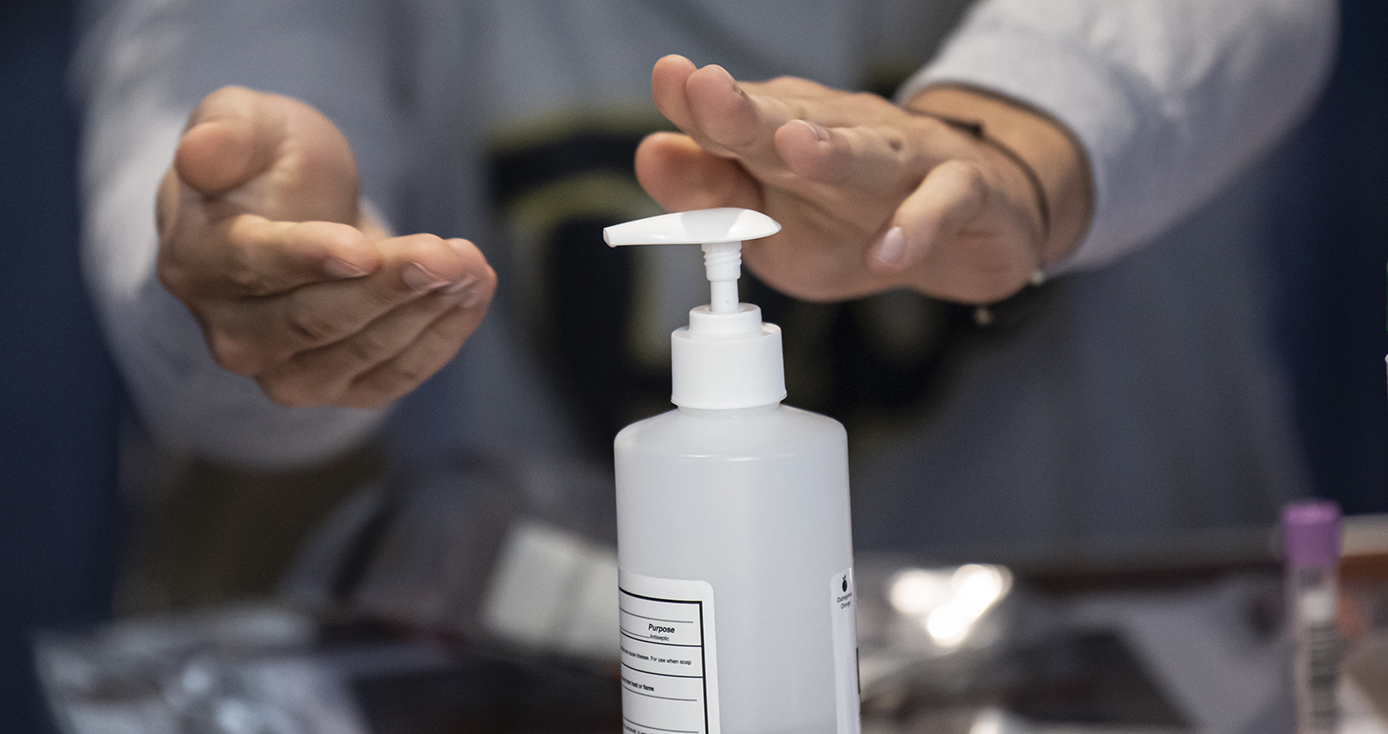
[{"x": 986, "y": 314}]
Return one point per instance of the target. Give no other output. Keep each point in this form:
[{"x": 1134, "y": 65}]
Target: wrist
[{"x": 1047, "y": 154}]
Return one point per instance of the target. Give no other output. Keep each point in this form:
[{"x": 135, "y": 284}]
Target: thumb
[
  {"x": 233, "y": 136},
  {"x": 951, "y": 195},
  {"x": 680, "y": 175}
]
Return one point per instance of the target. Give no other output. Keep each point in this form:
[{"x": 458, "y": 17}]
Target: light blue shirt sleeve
[
  {"x": 140, "y": 68},
  {"x": 1170, "y": 98}
]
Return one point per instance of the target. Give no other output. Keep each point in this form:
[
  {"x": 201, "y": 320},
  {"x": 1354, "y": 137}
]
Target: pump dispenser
[
  {"x": 733, "y": 539},
  {"x": 727, "y": 358}
]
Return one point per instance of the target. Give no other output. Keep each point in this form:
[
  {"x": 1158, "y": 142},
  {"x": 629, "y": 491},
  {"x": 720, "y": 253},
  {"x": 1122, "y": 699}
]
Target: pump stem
[{"x": 723, "y": 266}]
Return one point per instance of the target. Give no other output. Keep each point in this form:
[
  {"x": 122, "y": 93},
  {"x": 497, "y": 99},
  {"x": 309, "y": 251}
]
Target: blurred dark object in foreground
[
  {"x": 269, "y": 670},
  {"x": 1090, "y": 677},
  {"x": 484, "y": 693},
  {"x": 1190, "y": 638},
  {"x": 265, "y": 670}
]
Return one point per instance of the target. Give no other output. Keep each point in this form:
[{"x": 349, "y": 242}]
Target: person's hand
[
  {"x": 871, "y": 196},
  {"x": 262, "y": 236}
]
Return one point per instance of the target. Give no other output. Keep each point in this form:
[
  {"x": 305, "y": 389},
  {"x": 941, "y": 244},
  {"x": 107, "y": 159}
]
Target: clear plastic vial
[{"x": 1311, "y": 542}]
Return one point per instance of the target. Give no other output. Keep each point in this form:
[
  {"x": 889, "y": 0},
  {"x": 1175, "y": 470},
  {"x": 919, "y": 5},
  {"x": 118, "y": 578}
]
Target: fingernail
[
  {"x": 475, "y": 298},
  {"x": 468, "y": 291},
  {"x": 890, "y": 249},
  {"x": 819, "y": 131},
  {"x": 727, "y": 77},
  {"x": 460, "y": 285},
  {"x": 417, "y": 278},
  {"x": 339, "y": 268},
  {"x": 459, "y": 245}
]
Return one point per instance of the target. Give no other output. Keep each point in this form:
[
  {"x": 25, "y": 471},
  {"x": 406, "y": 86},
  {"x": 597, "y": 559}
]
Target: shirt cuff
[{"x": 1063, "y": 81}]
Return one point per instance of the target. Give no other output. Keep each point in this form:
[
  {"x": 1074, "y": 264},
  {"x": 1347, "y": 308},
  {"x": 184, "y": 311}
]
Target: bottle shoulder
[{"x": 782, "y": 430}]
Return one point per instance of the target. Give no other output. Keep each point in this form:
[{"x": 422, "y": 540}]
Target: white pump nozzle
[
  {"x": 727, "y": 358},
  {"x": 719, "y": 231}
]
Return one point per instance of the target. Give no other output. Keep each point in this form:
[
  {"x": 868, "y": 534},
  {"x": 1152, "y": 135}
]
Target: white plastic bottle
[{"x": 733, "y": 538}]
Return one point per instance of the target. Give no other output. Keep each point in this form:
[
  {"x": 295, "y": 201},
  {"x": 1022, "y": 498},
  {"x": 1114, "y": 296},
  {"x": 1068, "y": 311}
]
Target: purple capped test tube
[{"x": 1311, "y": 548}]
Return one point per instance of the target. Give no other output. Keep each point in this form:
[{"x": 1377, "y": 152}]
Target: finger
[
  {"x": 166, "y": 202},
  {"x": 253, "y": 335},
  {"x": 264, "y": 257},
  {"x": 232, "y": 136},
  {"x": 866, "y": 160},
  {"x": 699, "y": 101},
  {"x": 951, "y": 195},
  {"x": 427, "y": 354},
  {"x": 681, "y": 176},
  {"x": 728, "y": 120},
  {"x": 322, "y": 376},
  {"x": 249, "y": 255},
  {"x": 668, "y": 79}
]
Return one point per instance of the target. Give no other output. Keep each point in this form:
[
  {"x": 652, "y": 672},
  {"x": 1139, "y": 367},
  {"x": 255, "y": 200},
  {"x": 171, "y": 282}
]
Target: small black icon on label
[{"x": 845, "y": 583}]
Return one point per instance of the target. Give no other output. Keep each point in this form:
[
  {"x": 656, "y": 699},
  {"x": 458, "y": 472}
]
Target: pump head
[
  {"x": 727, "y": 358},
  {"x": 719, "y": 231}
]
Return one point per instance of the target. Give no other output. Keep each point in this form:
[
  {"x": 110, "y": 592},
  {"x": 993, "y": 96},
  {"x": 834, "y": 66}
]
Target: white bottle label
[
  {"x": 669, "y": 656},
  {"x": 845, "y": 631}
]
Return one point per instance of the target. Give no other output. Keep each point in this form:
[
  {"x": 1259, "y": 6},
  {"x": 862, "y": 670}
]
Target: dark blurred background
[
  {"x": 59, "y": 392},
  {"x": 60, "y": 398},
  {"x": 1329, "y": 251}
]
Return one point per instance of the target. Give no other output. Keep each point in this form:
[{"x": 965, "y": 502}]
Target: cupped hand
[
  {"x": 871, "y": 196},
  {"x": 262, "y": 236}
]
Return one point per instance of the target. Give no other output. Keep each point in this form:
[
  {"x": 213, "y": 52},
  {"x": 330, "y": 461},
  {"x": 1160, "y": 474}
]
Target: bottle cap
[
  {"x": 1311, "y": 533},
  {"x": 726, "y": 358}
]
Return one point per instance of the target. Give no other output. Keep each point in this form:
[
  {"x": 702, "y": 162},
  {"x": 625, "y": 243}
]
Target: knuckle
[
  {"x": 240, "y": 268},
  {"x": 978, "y": 190},
  {"x": 405, "y": 374},
  {"x": 972, "y": 174},
  {"x": 933, "y": 128},
  {"x": 247, "y": 280},
  {"x": 173, "y": 277},
  {"x": 368, "y": 347},
  {"x": 894, "y": 140},
  {"x": 232, "y": 354},
  {"x": 391, "y": 380},
  {"x": 424, "y": 241},
  {"x": 291, "y": 391},
  {"x": 308, "y": 325}
]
